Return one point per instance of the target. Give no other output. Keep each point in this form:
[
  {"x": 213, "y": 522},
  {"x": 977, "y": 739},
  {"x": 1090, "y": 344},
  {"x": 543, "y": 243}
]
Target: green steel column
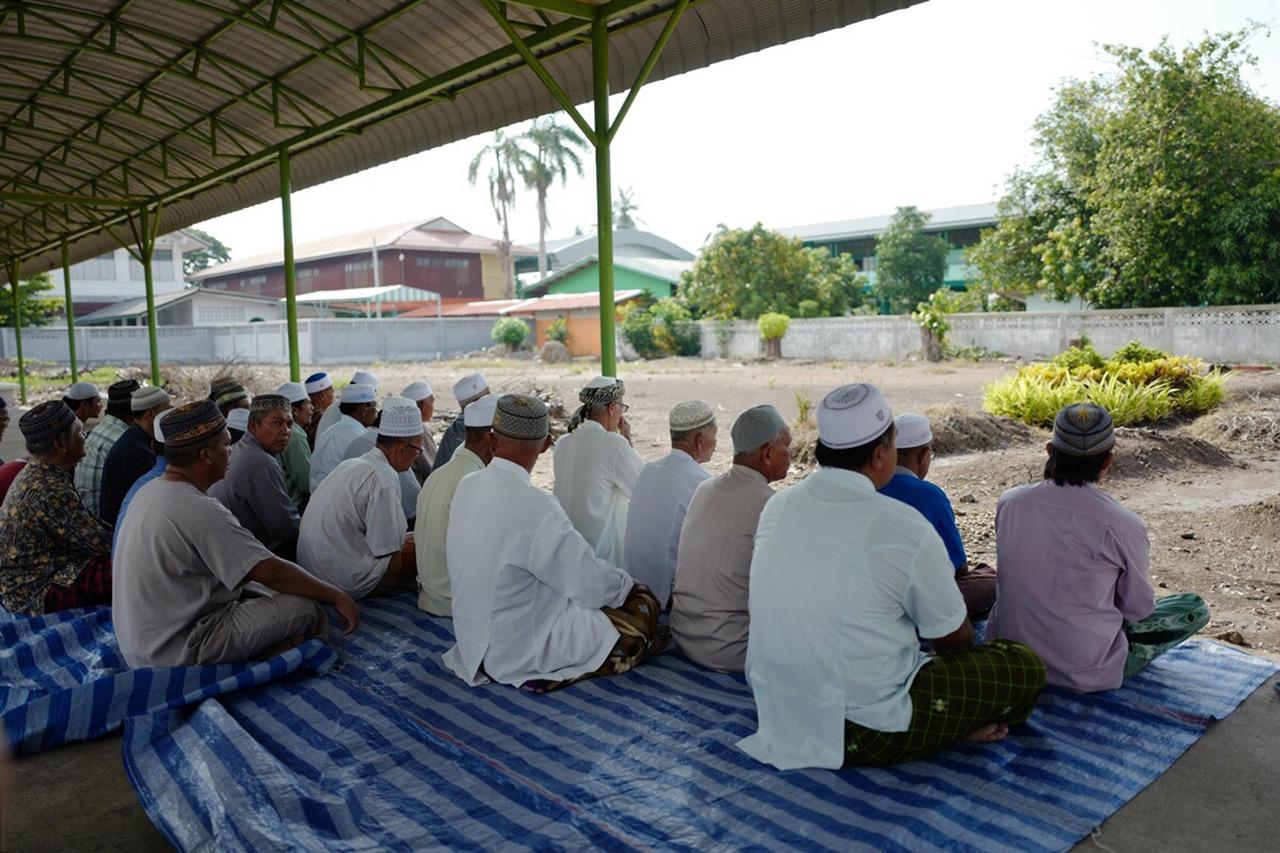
[
  {"x": 17, "y": 329},
  {"x": 290, "y": 275},
  {"x": 70, "y": 309},
  {"x": 146, "y": 249},
  {"x": 604, "y": 192}
]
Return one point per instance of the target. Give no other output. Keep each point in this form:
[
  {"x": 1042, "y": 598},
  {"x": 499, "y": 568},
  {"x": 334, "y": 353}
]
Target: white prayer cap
[
  {"x": 853, "y": 415},
  {"x": 364, "y": 377},
  {"x": 356, "y": 393},
  {"x": 148, "y": 397},
  {"x": 238, "y": 419},
  {"x": 689, "y": 415},
  {"x": 468, "y": 388},
  {"x": 317, "y": 382},
  {"x": 913, "y": 431},
  {"x": 480, "y": 413},
  {"x": 400, "y": 418},
  {"x": 155, "y": 426},
  {"x": 417, "y": 391},
  {"x": 294, "y": 392},
  {"x": 82, "y": 391},
  {"x": 756, "y": 427}
]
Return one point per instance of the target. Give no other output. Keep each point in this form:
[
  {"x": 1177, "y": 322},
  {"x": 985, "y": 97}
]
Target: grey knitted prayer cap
[
  {"x": 521, "y": 416},
  {"x": 267, "y": 402},
  {"x": 755, "y": 427},
  {"x": 1083, "y": 429}
]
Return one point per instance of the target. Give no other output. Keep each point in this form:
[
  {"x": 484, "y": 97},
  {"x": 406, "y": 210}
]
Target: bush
[
  {"x": 558, "y": 330},
  {"x": 511, "y": 331},
  {"x": 1136, "y": 353},
  {"x": 773, "y": 326},
  {"x": 1134, "y": 392},
  {"x": 637, "y": 328},
  {"x": 663, "y": 329}
]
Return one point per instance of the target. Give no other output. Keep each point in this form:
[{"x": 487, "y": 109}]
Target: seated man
[
  {"x": 410, "y": 488},
  {"x": 915, "y": 454},
  {"x": 1074, "y": 565},
  {"x": 533, "y": 607},
  {"x": 354, "y": 532},
  {"x": 424, "y": 398},
  {"x": 183, "y": 565},
  {"x": 329, "y": 416},
  {"x": 237, "y": 424},
  {"x": 466, "y": 390},
  {"x": 118, "y": 418},
  {"x": 54, "y": 553},
  {"x": 661, "y": 498},
  {"x": 356, "y": 412},
  {"x": 320, "y": 389},
  {"x": 253, "y": 488},
  {"x": 156, "y": 470},
  {"x": 596, "y": 468},
  {"x": 844, "y": 581},
  {"x": 432, "y": 528},
  {"x": 296, "y": 457},
  {"x": 228, "y": 394},
  {"x": 133, "y": 454},
  {"x": 709, "y": 616},
  {"x": 83, "y": 399}
]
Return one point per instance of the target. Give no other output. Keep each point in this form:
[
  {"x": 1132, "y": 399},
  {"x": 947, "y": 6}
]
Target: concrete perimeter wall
[
  {"x": 319, "y": 342},
  {"x": 1238, "y": 334}
]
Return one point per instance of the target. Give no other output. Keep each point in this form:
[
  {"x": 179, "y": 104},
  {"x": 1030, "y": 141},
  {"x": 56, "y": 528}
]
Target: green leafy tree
[
  {"x": 555, "y": 151},
  {"x": 910, "y": 264},
  {"x": 200, "y": 259},
  {"x": 504, "y": 159},
  {"x": 624, "y": 209},
  {"x": 37, "y": 307},
  {"x": 1152, "y": 186},
  {"x": 511, "y": 331},
  {"x": 748, "y": 272}
]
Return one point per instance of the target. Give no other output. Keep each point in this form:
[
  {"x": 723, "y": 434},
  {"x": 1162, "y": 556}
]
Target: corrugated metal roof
[
  {"x": 663, "y": 269},
  {"x": 566, "y": 302},
  {"x": 191, "y": 103},
  {"x": 131, "y": 308},
  {"x": 962, "y": 216}
]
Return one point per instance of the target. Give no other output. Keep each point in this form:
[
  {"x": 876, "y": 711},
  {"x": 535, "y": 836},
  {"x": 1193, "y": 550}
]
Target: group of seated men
[{"x": 846, "y": 599}]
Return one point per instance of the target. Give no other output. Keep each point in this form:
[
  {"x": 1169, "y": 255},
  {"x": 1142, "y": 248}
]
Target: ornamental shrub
[
  {"x": 1136, "y": 353},
  {"x": 511, "y": 331},
  {"x": 1082, "y": 356},
  {"x": 558, "y": 330},
  {"x": 773, "y": 326}
]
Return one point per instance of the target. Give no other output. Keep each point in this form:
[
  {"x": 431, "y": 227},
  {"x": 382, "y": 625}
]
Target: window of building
[
  {"x": 358, "y": 273},
  {"x": 962, "y": 237},
  {"x": 101, "y": 268},
  {"x": 306, "y": 274},
  {"x": 450, "y": 277},
  {"x": 161, "y": 266},
  {"x": 446, "y": 263},
  {"x": 253, "y": 283},
  {"x": 219, "y": 314}
]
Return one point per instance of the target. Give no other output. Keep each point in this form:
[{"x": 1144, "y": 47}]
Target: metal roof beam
[
  {"x": 69, "y": 198},
  {"x": 572, "y": 8}
]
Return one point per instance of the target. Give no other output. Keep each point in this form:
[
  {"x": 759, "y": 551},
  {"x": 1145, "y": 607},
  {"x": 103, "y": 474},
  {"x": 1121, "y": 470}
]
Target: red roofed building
[{"x": 435, "y": 255}]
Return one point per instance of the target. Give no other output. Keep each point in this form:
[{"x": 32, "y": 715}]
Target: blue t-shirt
[
  {"x": 156, "y": 471},
  {"x": 931, "y": 502}
]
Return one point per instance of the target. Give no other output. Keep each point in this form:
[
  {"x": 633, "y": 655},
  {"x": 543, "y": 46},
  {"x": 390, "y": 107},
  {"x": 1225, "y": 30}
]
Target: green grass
[
  {"x": 1033, "y": 400},
  {"x": 57, "y": 379}
]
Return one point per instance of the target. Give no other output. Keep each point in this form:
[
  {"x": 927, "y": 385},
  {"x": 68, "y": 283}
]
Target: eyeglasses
[
  {"x": 625, "y": 408},
  {"x": 417, "y": 448}
]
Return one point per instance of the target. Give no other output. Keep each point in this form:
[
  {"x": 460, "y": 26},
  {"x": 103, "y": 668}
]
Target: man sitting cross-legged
[
  {"x": 183, "y": 565},
  {"x": 295, "y": 459},
  {"x": 54, "y": 553},
  {"x": 83, "y": 399},
  {"x": 661, "y": 498},
  {"x": 1073, "y": 567},
  {"x": 709, "y": 617},
  {"x": 254, "y": 487},
  {"x": 915, "y": 455},
  {"x": 843, "y": 583},
  {"x": 356, "y": 411},
  {"x": 354, "y": 531},
  {"x": 466, "y": 391},
  {"x": 431, "y": 532},
  {"x": 533, "y": 606},
  {"x": 118, "y": 418},
  {"x": 134, "y": 454},
  {"x": 410, "y": 488}
]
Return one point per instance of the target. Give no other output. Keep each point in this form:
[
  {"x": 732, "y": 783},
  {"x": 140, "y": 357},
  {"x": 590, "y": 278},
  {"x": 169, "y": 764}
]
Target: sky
[{"x": 931, "y": 106}]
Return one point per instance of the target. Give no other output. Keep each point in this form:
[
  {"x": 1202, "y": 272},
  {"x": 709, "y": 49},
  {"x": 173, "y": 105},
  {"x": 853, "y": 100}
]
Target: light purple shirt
[{"x": 1073, "y": 569}]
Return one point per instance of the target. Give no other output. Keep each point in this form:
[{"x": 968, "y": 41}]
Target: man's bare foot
[{"x": 989, "y": 734}]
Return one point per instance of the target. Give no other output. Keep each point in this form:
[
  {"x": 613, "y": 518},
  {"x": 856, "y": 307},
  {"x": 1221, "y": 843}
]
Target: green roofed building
[{"x": 659, "y": 277}]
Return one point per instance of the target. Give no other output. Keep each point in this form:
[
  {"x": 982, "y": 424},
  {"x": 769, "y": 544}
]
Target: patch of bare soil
[
  {"x": 1145, "y": 451},
  {"x": 1251, "y": 423},
  {"x": 957, "y": 429}
]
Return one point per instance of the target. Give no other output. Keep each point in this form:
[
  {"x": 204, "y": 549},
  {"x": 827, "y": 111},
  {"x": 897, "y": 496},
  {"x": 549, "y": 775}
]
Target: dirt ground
[{"x": 1209, "y": 490}]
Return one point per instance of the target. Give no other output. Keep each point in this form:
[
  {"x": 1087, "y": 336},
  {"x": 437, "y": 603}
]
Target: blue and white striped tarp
[
  {"x": 62, "y": 678},
  {"x": 389, "y": 750}
]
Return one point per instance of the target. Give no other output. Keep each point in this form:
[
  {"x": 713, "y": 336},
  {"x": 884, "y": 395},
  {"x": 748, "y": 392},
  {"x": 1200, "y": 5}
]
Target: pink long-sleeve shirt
[{"x": 1073, "y": 569}]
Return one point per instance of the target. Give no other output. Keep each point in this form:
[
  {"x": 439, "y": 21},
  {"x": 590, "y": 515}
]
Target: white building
[{"x": 116, "y": 276}]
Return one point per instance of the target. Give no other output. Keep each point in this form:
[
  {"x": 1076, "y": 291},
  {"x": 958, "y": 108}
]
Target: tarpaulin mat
[
  {"x": 62, "y": 678},
  {"x": 391, "y": 751}
]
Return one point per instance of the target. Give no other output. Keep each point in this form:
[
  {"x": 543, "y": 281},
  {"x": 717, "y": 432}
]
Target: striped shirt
[{"x": 88, "y": 476}]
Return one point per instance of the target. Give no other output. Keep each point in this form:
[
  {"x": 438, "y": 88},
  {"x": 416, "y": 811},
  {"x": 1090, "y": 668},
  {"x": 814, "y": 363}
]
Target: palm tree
[
  {"x": 553, "y": 153},
  {"x": 504, "y": 158},
  {"x": 623, "y": 208}
]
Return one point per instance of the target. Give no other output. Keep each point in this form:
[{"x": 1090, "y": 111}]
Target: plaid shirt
[
  {"x": 96, "y": 448},
  {"x": 47, "y": 536}
]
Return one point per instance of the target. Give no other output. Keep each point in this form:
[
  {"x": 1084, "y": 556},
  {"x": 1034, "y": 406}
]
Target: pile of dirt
[
  {"x": 1259, "y": 521},
  {"x": 1252, "y": 423},
  {"x": 554, "y": 352},
  {"x": 960, "y": 430},
  {"x": 191, "y": 382},
  {"x": 1142, "y": 451}
]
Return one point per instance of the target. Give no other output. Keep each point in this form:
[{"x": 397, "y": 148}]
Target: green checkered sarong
[
  {"x": 956, "y": 693},
  {"x": 1176, "y": 618}
]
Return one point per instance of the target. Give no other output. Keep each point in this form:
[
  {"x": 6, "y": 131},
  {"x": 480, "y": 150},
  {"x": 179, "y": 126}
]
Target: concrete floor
[{"x": 1221, "y": 795}]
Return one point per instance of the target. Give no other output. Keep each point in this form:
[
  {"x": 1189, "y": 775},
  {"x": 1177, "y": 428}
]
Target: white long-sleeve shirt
[
  {"x": 596, "y": 471},
  {"x": 655, "y": 517},
  {"x": 527, "y": 589},
  {"x": 331, "y": 448}
]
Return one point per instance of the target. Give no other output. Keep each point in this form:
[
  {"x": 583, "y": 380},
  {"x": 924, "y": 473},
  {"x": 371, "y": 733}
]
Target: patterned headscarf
[{"x": 600, "y": 391}]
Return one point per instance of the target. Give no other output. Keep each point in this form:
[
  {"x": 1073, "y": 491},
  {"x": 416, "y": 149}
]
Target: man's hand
[
  {"x": 348, "y": 610},
  {"x": 624, "y": 428}
]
